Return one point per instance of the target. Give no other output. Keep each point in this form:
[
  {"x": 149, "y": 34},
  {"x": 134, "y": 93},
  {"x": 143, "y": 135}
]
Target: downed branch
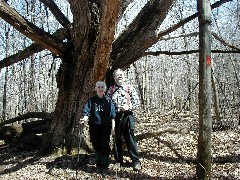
[
  {"x": 171, "y": 130},
  {"x": 42, "y": 115},
  {"x": 169, "y": 145},
  {"x": 158, "y": 134}
]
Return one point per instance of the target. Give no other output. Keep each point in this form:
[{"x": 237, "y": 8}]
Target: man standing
[{"x": 125, "y": 99}]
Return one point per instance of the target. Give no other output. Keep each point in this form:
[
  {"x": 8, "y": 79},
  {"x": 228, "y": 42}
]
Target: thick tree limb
[
  {"x": 33, "y": 32},
  {"x": 109, "y": 17},
  {"x": 43, "y": 115},
  {"x": 159, "y": 133},
  {"x": 129, "y": 51},
  {"x": 61, "y": 18},
  {"x": 28, "y": 51},
  {"x": 140, "y": 34}
]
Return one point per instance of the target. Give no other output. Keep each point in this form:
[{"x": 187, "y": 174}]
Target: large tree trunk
[
  {"x": 216, "y": 100},
  {"x": 89, "y": 49}
]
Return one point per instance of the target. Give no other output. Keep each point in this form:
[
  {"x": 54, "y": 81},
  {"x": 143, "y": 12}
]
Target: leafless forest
[
  {"x": 167, "y": 79},
  {"x": 165, "y": 82}
]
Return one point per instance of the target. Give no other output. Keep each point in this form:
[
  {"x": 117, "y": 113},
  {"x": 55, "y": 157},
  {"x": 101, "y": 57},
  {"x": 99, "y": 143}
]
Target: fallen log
[
  {"x": 13, "y": 132},
  {"x": 171, "y": 130},
  {"x": 39, "y": 115}
]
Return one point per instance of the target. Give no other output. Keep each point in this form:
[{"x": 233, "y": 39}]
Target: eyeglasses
[
  {"x": 100, "y": 87},
  {"x": 118, "y": 75}
]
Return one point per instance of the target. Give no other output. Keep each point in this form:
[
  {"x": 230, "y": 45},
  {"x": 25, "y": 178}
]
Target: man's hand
[
  {"x": 113, "y": 127},
  {"x": 125, "y": 107},
  {"x": 113, "y": 131}
]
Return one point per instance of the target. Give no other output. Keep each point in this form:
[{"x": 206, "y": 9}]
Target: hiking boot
[{"x": 137, "y": 166}]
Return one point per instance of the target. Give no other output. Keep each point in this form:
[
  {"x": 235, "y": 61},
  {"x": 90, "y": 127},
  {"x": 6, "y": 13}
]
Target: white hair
[{"x": 101, "y": 83}]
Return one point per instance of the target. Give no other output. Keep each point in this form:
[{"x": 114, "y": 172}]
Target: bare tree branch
[
  {"x": 196, "y": 34},
  {"x": 184, "y": 21},
  {"x": 43, "y": 115},
  {"x": 33, "y": 32},
  {"x": 224, "y": 42},
  {"x": 170, "y": 130},
  {"x": 61, "y": 18},
  {"x": 28, "y": 51},
  {"x": 181, "y": 35}
]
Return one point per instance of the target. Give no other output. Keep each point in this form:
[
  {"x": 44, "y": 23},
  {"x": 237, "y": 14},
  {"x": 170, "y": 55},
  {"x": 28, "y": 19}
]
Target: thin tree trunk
[
  {"x": 4, "y": 111},
  {"x": 216, "y": 100},
  {"x": 145, "y": 84},
  {"x": 205, "y": 120},
  {"x": 140, "y": 88},
  {"x": 147, "y": 81}
]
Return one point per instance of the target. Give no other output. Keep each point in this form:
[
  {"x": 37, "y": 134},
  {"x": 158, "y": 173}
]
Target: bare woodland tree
[{"x": 205, "y": 118}]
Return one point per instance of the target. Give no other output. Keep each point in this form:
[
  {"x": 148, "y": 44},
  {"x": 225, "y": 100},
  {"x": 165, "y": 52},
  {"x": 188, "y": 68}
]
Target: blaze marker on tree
[{"x": 208, "y": 60}]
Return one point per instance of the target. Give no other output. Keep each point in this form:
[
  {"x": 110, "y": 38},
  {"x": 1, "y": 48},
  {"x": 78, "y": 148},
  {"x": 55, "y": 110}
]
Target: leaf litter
[{"x": 164, "y": 157}]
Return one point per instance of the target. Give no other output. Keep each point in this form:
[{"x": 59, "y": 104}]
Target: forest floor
[{"x": 168, "y": 155}]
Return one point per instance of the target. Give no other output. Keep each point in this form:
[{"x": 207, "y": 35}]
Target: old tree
[{"x": 88, "y": 48}]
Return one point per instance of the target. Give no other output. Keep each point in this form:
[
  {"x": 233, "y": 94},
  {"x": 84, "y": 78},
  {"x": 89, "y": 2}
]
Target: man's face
[{"x": 119, "y": 77}]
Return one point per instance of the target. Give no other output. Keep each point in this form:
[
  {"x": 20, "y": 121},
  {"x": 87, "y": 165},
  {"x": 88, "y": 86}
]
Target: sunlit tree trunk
[
  {"x": 205, "y": 118},
  {"x": 87, "y": 60}
]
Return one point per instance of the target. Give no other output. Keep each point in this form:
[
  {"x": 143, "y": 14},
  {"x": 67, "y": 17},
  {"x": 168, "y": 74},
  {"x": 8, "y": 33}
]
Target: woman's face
[{"x": 100, "y": 88}]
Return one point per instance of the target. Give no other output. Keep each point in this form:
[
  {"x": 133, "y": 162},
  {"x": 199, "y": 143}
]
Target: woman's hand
[{"x": 84, "y": 119}]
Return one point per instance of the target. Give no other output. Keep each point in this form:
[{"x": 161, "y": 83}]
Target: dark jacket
[{"x": 99, "y": 110}]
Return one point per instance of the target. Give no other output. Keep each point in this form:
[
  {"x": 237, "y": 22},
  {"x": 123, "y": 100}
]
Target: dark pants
[
  {"x": 100, "y": 138},
  {"x": 125, "y": 124}
]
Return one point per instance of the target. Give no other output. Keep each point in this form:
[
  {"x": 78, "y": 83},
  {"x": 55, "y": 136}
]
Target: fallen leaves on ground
[{"x": 169, "y": 156}]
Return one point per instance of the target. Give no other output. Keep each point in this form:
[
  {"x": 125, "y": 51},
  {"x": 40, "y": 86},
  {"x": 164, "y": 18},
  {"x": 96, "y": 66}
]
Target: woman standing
[{"x": 99, "y": 111}]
